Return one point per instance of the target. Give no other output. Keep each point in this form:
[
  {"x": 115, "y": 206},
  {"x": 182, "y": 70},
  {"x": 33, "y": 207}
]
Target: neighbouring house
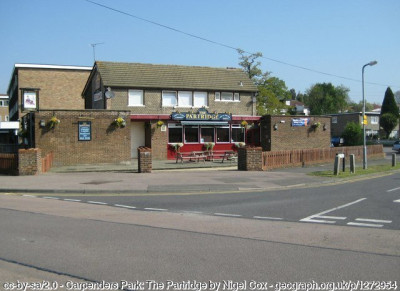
[
  {"x": 7, "y": 128},
  {"x": 340, "y": 120},
  {"x": 169, "y": 104},
  {"x": 298, "y": 107}
]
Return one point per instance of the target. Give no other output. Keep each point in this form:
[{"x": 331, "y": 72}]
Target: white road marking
[
  {"x": 96, "y": 202},
  {"x": 333, "y": 217},
  {"x": 156, "y": 209},
  {"x": 373, "y": 220},
  {"x": 55, "y": 198},
  {"x": 364, "y": 224},
  {"x": 72, "y": 200},
  {"x": 394, "y": 189},
  {"x": 266, "y": 217},
  {"x": 125, "y": 206},
  {"x": 227, "y": 214},
  {"x": 397, "y": 200},
  {"x": 192, "y": 212},
  {"x": 321, "y": 214},
  {"x": 29, "y": 196}
]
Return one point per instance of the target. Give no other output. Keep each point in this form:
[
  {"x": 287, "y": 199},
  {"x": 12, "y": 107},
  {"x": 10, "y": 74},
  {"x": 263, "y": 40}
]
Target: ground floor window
[
  {"x": 237, "y": 133},
  {"x": 223, "y": 134},
  {"x": 191, "y": 134},
  {"x": 175, "y": 133},
  {"x": 207, "y": 134}
]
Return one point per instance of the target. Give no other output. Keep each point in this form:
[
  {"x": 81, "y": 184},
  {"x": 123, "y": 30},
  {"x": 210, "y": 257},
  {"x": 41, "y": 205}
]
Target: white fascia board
[{"x": 60, "y": 67}]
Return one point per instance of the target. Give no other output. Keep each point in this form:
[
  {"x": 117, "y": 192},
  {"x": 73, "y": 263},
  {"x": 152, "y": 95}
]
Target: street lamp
[{"x": 373, "y": 63}]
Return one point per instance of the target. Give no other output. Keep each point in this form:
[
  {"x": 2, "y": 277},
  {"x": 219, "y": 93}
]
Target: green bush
[{"x": 353, "y": 134}]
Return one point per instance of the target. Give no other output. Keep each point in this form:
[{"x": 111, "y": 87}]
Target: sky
[{"x": 303, "y": 42}]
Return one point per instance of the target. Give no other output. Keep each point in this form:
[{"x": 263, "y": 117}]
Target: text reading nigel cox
[{"x": 199, "y": 285}]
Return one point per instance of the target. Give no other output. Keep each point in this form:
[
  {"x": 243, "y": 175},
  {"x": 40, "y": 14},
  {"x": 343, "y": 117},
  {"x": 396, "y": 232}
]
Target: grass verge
[{"x": 359, "y": 171}]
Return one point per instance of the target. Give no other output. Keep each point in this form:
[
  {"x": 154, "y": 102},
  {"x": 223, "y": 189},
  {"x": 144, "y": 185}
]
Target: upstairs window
[
  {"x": 135, "y": 98},
  {"x": 227, "y": 96},
  {"x": 185, "y": 99},
  {"x": 200, "y": 99},
  {"x": 169, "y": 98}
]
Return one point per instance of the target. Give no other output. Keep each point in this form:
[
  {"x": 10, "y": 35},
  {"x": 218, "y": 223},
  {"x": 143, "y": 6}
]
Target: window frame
[
  {"x": 229, "y": 135},
  {"x": 201, "y": 136},
  {"x": 234, "y": 96},
  {"x": 175, "y": 125},
  {"x": 162, "y": 98},
  {"x": 243, "y": 132},
  {"x": 198, "y": 134},
  {"x": 141, "y": 104}
]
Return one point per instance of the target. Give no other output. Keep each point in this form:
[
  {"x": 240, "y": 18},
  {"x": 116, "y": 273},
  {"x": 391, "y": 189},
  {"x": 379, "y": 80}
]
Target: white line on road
[
  {"x": 125, "y": 206},
  {"x": 333, "y": 217},
  {"x": 321, "y": 214},
  {"x": 227, "y": 214},
  {"x": 266, "y": 217},
  {"x": 55, "y": 198},
  {"x": 364, "y": 224},
  {"x": 72, "y": 200},
  {"x": 397, "y": 200},
  {"x": 394, "y": 189},
  {"x": 32, "y": 196},
  {"x": 156, "y": 209},
  {"x": 373, "y": 220},
  {"x": 96, "y": 202}
]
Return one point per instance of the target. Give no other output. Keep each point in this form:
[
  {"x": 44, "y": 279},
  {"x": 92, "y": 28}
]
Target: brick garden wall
[
  {"x": 288, "y": 137},
  {"x": 108, "y": 144}
]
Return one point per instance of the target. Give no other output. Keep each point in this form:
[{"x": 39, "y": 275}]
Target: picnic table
[
  {"x": 191, "y": 156},
  {"x": 196, "y": 156},
  {"x": 223, "y": 155}
]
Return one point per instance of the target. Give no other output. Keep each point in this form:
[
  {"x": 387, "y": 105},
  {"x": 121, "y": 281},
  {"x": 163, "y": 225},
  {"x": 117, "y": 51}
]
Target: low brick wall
[
  {"x": 250, "y": 159},
  {"x": 145, "y": 164},
  {"x": 29, "y": 162}
]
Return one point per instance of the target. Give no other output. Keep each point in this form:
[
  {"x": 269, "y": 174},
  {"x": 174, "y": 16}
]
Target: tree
[
  {"x": 358, "y": 107},
  {"x": 353, "y": 134},
  {"x": 324, "y": 98},
  {"x": 272, "y": 91},
  {"x": 388, "y": 122},
  {"x": 389, "y": 104}
]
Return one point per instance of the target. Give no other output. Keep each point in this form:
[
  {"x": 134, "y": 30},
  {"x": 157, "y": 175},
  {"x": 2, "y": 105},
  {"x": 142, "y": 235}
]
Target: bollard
[
  {"x": 393, "y": 160},
  {"x": 337, "y": 164},
  {"x": 352, "y": 164}
]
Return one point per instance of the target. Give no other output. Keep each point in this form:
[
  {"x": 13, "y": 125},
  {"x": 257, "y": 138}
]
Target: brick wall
[
  {"x": 250, "y": 159},
  {"x": 58, "y": 88},
  {"x": 153, "y": 103},
  {"x": 288, "y": 137},
  {"x": 159, "y": 141},
  {"x": 144, "y": 160},
  {"x": 29, "y": 162},
  {"x": 107, "y": 145}
]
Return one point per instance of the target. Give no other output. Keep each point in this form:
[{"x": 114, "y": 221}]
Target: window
[
  {"x": 374, "y": 119},
  {"x": 191, "y": 134},
  {"x": 7, "y": 118},
  {"x": 334, "y": 119},
  {"x": 227, "y": 96},
  {"x": 135, "y": 98},
  {"x": 174, "y": 133},
  {"x": 222, "y": 134},
  {"x": 207, "y": 134},
  {"x": 169, "y": 98},
  {"x": 200, "y": 99},
  {"x": 185, "y": 99},
  {"x": 237, "y": 133}
]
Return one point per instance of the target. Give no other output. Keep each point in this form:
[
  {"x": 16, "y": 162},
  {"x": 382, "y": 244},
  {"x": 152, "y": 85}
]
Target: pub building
[{"x": 170, "y": 104}]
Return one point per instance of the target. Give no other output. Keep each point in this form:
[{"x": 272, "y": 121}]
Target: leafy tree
[
  {"x": 358, "y": 107},
  {"x": 353, "y": 134},
  {"x": 388, "y": 122},
  {"x": 272, "y": 91},
  {"x": 324, "y": 98},
  {"x": 389, "y": 104}
]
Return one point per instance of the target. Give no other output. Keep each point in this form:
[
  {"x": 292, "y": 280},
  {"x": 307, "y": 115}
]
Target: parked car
[{"x": 396, "y": 146}]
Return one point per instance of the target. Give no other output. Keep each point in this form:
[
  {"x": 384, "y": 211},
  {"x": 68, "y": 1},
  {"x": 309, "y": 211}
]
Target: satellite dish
[{"x": 109, "y": 94}]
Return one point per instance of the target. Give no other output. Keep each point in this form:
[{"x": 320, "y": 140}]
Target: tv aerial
[{"x": 94, "y": 49}]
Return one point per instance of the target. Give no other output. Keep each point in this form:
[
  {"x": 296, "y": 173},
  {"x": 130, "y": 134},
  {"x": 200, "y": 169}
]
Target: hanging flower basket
[
  {"x": 244, "y": 124},
  {"x": 177, "y": 146},
  {"x": 119, "y": 122},
  {"x": 209, "y": 146},
  {"x": 315, "y": 125},
  {"x": 240, "y": 144},
  {"x": 53, "y": 122},
  {"x": 160, "y": 123}
]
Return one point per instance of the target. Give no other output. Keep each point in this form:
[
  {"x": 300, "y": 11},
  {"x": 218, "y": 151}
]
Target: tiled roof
[{"x": 173, "y": 77}]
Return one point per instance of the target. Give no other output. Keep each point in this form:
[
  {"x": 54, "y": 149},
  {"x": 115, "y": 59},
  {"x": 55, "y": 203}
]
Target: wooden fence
[{"x": 280, "y": 159}]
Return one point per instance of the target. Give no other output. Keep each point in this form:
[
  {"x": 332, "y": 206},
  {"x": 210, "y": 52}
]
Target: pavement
[{"x": 168, "y": 177}]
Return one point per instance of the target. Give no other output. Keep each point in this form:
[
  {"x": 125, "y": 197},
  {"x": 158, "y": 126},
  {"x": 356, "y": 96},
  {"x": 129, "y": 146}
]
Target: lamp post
[{"x": 373, "y": 63}]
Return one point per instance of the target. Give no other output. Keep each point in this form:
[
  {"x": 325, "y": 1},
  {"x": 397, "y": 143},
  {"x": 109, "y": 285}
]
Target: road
[
  {"x": 364, "y": 203},
  {"x": 297, "y": 235}
]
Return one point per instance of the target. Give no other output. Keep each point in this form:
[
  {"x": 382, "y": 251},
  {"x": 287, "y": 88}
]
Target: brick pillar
[
  {"x": 29, "y": 162},
  {"x": 145, "y": 164},
  {"x": 250, "y": 159}
]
